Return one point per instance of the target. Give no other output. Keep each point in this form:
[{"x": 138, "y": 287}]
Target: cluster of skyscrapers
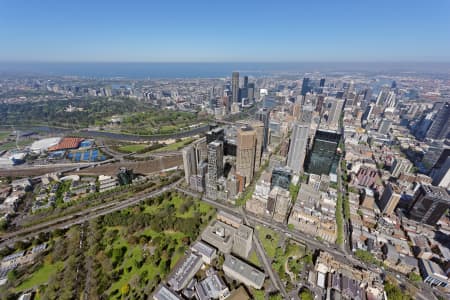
[
  {"x": 232, "y": 97},
  {"x": 222, "y": 166}
]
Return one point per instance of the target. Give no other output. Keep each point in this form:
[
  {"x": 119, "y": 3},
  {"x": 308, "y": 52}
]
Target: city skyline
[{"x": 208, "y": 32}]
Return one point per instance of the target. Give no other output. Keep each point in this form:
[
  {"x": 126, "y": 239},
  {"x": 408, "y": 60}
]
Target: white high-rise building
[
  {"x": 189, "y": 162},
  {"x": 297, "y": 149}
]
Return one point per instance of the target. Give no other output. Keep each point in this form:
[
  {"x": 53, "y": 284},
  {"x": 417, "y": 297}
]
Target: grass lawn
[
  {"x": 174, "y": 146},
  {"x": 135, "y": 254},
  {"x": 253, "y": 258},
  {"x": 12, "y": 145},
  {"x": 169, "y": 128},
  {"x": 258, "y": 294},
  {"x": 177, "y": 200},
  {"x": 41, "y": 276},
  {"x": 297, "y": 258},
  {"x": 269, "y": 240},
  {"x": 4, "y": 134},
  {"x": 132, "y": 148}
]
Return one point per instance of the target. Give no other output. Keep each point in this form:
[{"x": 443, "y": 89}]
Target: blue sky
[{"x": 213, "y": 30}]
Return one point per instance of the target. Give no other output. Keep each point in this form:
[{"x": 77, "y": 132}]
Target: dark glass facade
[
  {"x": 429, "y": 204},
  {"x": 281, "y": 177},
  {"x": 323, "y": 158}
]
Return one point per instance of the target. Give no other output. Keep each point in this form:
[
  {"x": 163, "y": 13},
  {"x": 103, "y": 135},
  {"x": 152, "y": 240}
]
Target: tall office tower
[
  {"x": 227, "y": 98},
  {"x": 215, "y": 134},
  {"x": 263, "y": 116},
  {"x": 306, "y": 114},
  {"x": 201, "y": 149},
  {"x": 305, "y": 86},
  {"x": 389, "y": 199},
  {"x": 242, "y": 241},
  {"x": 391, "y": 100},
  {"x": 340, "y": 94},
  {"x": 297, "y": 150},
  {"x": 441, "y": 170},
  {"x": 384, "y": 127},
  {"x": 245, "y": 82},
  {"x": 296, "y": 110},
  {"x": 429, "y": 204},
  {"x": 189, "y": 162},
  {"x": 259, "y": 128},
  {"x": 349, "y": 92},
  {"x": 423, "y": 125},
  {"x": 213, "y": 103},
  {"x": 440, "y": 128},
  {"x": 322, "y": 82},
  {"x": 215, "y": 167},
  {"x": 394, "y": 84},
  {"x": 212, "y": 93},
  {"x": 229, "y": 147},
  {"x": 322, "y": 159},
  {"x": 431, "y": 156},
  {"x": 331, "y": 111},
  {"x": 319, "y": 104},
  {"x": 242, "y": 94},
  {"x": 245, "y": 156},
  {"x": 368, "y": 94},
  {"x": 235, "y": 87},
  {"x": 251, "y": 92},
  {"x": 367, "y": 116},
  {"x": 382, "y": 95}
]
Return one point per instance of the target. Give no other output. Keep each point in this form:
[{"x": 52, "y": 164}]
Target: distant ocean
[{"x": 208, "y": 70}]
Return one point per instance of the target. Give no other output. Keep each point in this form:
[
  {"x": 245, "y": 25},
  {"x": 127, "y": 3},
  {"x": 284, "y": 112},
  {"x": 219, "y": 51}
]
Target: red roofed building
[{"x": 67, "y": 143}]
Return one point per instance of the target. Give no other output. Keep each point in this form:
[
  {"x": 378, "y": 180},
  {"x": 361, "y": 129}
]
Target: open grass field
[
  {"x": 142, "y": 148},
  {"x": 175, "y": 146},
  {"x": 253, "y": 258},
  {"x": 41, "y": 276},
  {"x": 132, "y": 148},
  {"x": 160, "y": 122},
  {"x": 13, "y": 145},
  {"x": 4, "y": 134},
  {"x": 269, "y": 239}
]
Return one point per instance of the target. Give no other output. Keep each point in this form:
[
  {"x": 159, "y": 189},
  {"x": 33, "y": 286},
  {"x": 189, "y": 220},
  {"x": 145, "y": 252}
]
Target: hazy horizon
[{"x": 139, "y": 70}]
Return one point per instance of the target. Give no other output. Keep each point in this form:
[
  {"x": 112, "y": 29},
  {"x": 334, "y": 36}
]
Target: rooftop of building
[
  {"x": 244, "y": 269},
  {"x": 164, "y": 293},
  {"x": 244, "y": 231},
  {"x": 433, "y": 269},
  {"x": 211, "y": 287},
  {"x": 227, "y": 216},
  {"x": 215, "y": 143},
  {"x": 203, "y": 249},
  {"x": 218, "y": 231},
  {"x": 183, "y": 269},
  {"x": 66, "y": 143},
  {"x": 436, "y": 191}
]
